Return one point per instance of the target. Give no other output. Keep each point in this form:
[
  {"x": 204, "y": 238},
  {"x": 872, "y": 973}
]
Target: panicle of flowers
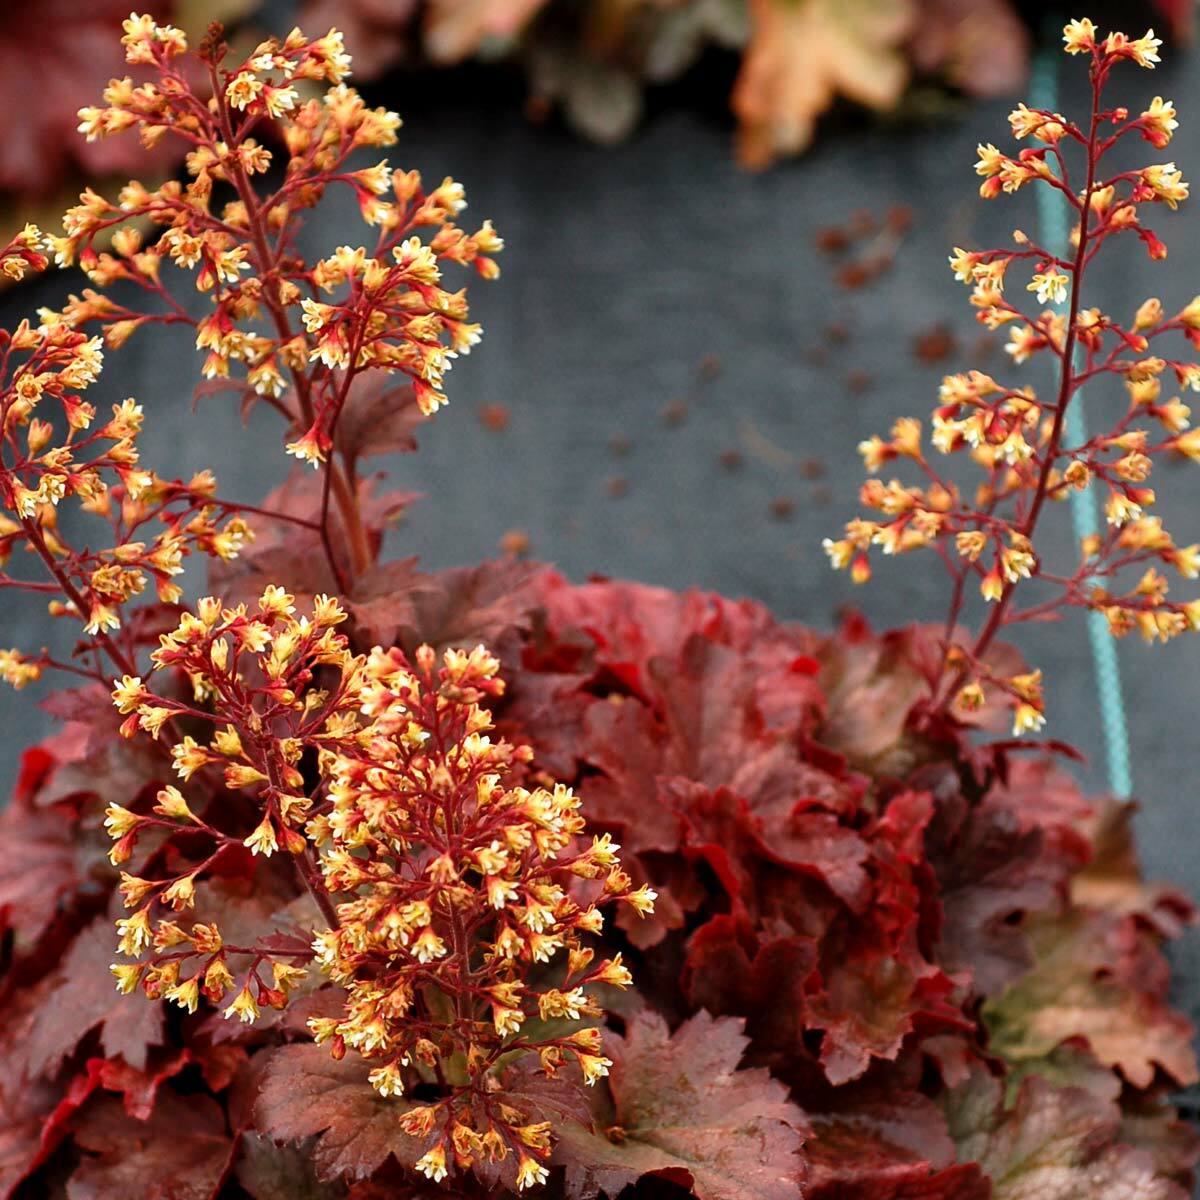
[
  {"x": 268, "y": 684},
  {"x": 54, "y": 448},
  {"x": 469, "y": 893},
  {"x": 298, "y": 331},
  {"x": 1018, "y": 440},
  {"x": 457, "y": 892},
  {"x": 302, "y": 331}
]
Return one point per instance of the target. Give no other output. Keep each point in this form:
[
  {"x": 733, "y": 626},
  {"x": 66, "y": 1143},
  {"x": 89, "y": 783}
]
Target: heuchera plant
[
  {"x": 594, "y": 60},
  {"x": 652, "y": 896}
]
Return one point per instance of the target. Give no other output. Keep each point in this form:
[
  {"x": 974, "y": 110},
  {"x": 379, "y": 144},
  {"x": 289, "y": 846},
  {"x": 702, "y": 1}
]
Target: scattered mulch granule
[
  {"x": 863, "y": 223},
  {"x": 867, "y": 244},
  {"x": 984, "y": 346},
  {"x": 853, "y": 276},
  {"x": 899, "y": 218},
  {"x": 858, "y": 274},
  {"x": 494, "y": 417},
  {"x": 674, "y": 413},
  {"x": 832, "y": 240},
  {"x": 935, "y": 344}
]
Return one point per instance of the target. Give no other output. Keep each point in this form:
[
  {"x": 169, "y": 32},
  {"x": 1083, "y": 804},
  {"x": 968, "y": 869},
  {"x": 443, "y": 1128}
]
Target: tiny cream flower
[{"x": 1051, "y": 286}]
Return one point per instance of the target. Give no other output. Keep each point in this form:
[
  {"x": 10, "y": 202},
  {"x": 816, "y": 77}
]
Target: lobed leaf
[
  {"x": 79, "y": 997},
  {"x": 1097, "y": 978},
  {"x": 305, "y": 1093},
  {"x": 182, "y": 1152},
  {"x": 683, "y": 1112}
]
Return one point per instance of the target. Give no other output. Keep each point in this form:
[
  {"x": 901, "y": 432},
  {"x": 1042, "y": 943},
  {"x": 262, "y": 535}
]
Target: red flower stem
[
  {"x": 315, "y": 882},
  {"x": 274, "y": 514},
  {"x": 1066, "y": 389},
  {"x": 29, "y": 585},
  {"x": 120, "y": 660},
  {"x": 360, "y": 551},
  {"x": 339, "y": 403},
  {"x": 306, "y": 866}
]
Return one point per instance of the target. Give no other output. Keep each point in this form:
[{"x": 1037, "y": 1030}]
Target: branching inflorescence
[
  {"x": 300, "y": 332},
  {"x": 450, "y": 892},
  {"x": 54, "y": 450},
  {"x": 1019, "y": 441},
  {"x": 456, "y": 881}
]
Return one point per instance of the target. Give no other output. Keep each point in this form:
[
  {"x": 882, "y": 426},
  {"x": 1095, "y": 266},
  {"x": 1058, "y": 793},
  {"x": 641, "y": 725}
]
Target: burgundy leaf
[
  {"x": 80, "y": 997},
  {"x": 271, "y": 1172},
  {"x": 682, "y": 1111},
  {"x": 307, "y": 1094},
  {"x": 181, "y": 1153},
  {"x": 1050, "y": 1144}
]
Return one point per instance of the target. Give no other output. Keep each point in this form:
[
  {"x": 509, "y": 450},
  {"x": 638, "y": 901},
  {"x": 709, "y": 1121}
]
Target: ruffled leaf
[
  {"x": 1050, "y": 1144},
  {"x": 1097, "y": 978}
]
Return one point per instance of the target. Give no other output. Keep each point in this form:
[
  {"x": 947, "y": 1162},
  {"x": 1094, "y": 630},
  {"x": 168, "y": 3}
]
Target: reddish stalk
[
  {"x": 347, "y": 503},
  {"x": 1066, "y": 390}
]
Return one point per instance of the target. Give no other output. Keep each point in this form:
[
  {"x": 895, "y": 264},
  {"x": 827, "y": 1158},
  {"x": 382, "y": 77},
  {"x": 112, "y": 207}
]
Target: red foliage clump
[{"x": 891, "y": 959}]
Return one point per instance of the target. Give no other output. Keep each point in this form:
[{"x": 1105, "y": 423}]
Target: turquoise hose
[{"x": 1055, "y": 236}]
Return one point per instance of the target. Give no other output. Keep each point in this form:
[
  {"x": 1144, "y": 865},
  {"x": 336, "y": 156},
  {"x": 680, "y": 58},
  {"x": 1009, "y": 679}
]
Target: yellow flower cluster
[
  {"x": 54, "y": 449},
  {"x": 462, "y": 882},
  {"x": 26, "y": 252},
  {"x": 252, "y": 671},
  {"x": 385, "y": 306},
  {"x": 457, "y": 893},
  {"x": 1018, "y": 440}
]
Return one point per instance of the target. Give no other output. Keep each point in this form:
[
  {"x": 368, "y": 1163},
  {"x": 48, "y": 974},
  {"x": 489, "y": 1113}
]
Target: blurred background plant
[
  {"x": 778, "y": 64},
  {"x": 64, "y": 52}
]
